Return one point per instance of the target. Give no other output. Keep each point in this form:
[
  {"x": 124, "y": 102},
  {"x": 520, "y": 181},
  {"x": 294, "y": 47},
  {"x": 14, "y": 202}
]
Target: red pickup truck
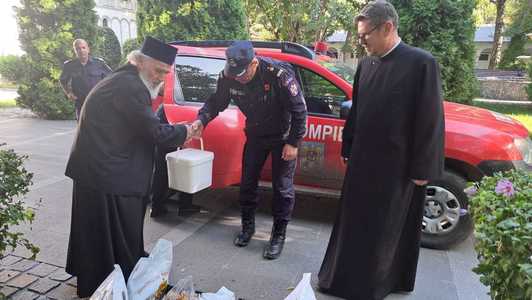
[{"x": 478, "y": 142}]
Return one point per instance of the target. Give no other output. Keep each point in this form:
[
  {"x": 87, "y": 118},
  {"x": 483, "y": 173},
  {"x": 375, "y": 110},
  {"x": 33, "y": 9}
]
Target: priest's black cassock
[
  {"x": 394, "y": 133},
  {"x": 111, "y": 164}
]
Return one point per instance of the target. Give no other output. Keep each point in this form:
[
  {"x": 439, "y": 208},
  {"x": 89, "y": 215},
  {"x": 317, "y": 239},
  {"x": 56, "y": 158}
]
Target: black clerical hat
[
  {"x": 158, "y": 50},
  {"x": 239, "y": 56}
]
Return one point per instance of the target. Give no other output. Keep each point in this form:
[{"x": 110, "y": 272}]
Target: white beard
[{"x": 152, "y": 88}]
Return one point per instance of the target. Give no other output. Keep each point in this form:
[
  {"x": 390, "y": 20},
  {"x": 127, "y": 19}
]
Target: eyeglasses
[{"x": 364, "y": 36}]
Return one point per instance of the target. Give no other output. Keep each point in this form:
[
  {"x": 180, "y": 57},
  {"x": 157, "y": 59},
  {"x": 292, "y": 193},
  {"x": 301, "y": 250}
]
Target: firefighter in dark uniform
[
  {"x": 81, "y": 74},
  {"x": 268, "y": 94}
]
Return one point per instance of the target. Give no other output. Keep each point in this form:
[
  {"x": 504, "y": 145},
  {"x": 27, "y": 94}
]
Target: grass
[
  {"x": 7, "y": 103},
  {"x": 8, "y": 85},
  {"x": 522, "y": 113}
]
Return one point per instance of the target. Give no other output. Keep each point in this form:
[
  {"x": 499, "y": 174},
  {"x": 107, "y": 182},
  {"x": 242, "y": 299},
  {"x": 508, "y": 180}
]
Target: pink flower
[{"x": 505, "y": 187}]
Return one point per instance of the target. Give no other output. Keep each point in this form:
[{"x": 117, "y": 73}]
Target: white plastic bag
[
  {"x": 150, "y": 272},
  {"x": 182, "y": 290},
  {"x": 222, "y": 294},
  {"x": 112, "y": 288},
  {"x": 303, "y": 290}
]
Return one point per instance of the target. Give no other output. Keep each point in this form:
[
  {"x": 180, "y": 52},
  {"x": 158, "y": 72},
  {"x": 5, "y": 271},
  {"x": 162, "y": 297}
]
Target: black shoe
[
  {"x": 248, "y": 230},
  {"x": 157, "y": 211},
  {"x": 275, "y": 247}
]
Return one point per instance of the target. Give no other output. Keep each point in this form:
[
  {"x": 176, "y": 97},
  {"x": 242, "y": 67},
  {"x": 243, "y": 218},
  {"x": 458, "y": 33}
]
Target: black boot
[
  {"x": 275, "y": 247},
  {"x": 248, "y": 229}
]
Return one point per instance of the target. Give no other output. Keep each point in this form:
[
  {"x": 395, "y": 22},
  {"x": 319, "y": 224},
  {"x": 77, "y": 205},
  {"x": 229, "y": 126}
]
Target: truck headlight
[{"x": 525, "y": 148}]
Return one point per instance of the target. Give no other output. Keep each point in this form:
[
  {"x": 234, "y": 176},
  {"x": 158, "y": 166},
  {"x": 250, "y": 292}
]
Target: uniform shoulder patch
[{"x": 294, "y": 90}]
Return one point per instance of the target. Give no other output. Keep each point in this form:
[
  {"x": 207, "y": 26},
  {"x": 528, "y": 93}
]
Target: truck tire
[{"x": 446, "y": 221}]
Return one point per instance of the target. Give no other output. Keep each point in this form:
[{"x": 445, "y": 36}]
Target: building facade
[{"x": 119, "y": 15}]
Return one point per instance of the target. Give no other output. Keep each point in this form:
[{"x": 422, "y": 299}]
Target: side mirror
[{"x": 345, "y": 108}]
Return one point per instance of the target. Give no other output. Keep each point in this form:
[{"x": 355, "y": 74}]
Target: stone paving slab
[
  {"x": 43, "y": 285},
  {"x": 23, "y": 265},
  {"x": 25, "y": 295},
  {"x": 60, "y": 275},
  {"x": 7, "y": 275},
  {"x": 7, "y": 291},
  {"x": 63, "y": 291},
  {"x": 9, "y": 260},
  {"x": 22, "y": 281},
  {"x": 43, "y": 270}
]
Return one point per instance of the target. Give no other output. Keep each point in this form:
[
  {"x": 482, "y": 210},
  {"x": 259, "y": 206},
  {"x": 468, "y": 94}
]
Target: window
[
  {"x": 196, "y": 77},
  {"x": 484, "y": 57},
  {"x": 322, "y": 97},
  {"x": 104, "y": 23}
]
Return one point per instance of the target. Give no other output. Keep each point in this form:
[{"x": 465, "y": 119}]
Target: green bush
[
  {"x": 46, "y": 31},
  {"x": 14, "y": 183},
  {"x": 12, "y": 68},
  {"x": 445, "y": 29},
  {"x": 108, "y": 47},
  {"x": 501, "y": 207}
]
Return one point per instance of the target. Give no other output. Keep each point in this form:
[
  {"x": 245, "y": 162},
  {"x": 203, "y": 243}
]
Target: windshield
[{"x": 344, "y": 70}]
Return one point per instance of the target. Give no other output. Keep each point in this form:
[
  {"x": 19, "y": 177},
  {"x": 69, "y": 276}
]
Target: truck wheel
[{"x": 445, "y": 219}]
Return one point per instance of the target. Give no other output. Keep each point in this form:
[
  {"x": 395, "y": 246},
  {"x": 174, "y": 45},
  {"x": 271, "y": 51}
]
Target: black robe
[
  {"x": 111, "y": 163},
  {"x": 394, "y": 133}
]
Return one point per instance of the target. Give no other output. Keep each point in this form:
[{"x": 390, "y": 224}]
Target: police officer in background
[
  {"x": 80, "y": 75},
  {"x": 268, "y": 94}
]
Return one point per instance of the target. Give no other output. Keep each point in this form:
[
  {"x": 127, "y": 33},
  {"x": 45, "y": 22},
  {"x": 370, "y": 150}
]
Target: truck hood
[{"x": 480, "y": 121}]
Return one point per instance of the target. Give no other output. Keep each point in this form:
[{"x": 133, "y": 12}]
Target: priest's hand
[
  {"x": 419, "y": 182},
  {"x": 289, "y": 152},
  {"x": 197, "y": 129}
]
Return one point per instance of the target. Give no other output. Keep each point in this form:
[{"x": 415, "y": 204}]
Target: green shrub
[
  {"x": 11, "y": 68},
  {"x": 14, "y": 183},
  {"x": 501, "y": 207},
  {"x": 108, "y": 47}
]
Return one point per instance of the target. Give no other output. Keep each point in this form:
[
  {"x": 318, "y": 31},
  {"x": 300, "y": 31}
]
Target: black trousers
[{"x": 256, "y": 152}]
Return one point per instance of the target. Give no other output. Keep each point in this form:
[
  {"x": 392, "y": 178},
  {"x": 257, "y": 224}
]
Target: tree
[
  {"x": 495, "y": 55},
  {"x": 46, "y": 31},
  {"x": 300, "y": 21},
  {"x": 11, "y": 68},
  {"x": 519, "y": 24},
  {"x": 108, "y": 47},
  {"x": 171, "y": 20},
  {"x": 446, "y": 29}
]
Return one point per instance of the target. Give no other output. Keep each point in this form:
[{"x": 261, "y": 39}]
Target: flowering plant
[{"x": 501, "y": 207}]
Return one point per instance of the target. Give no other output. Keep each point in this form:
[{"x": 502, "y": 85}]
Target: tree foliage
[
  {"x": 11, "y": 68},
  {"x": 171, "y": 20},
  {"x": 108, "y": 47},
  {"x": 46, "y": 31},
  {"x": 519, "y": 24},
  {"x": 446, "y": 29},
  {"x": 298, "y": 20}
]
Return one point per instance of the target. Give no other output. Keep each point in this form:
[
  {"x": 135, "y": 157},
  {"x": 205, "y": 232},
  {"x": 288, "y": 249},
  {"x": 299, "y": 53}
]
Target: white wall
[{"x": 120, "y": 16}]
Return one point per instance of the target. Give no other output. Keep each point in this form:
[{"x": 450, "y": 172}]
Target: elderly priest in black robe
[
  {"x": 111, "y": 164},
  {"x": 393, "y": 142}
]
